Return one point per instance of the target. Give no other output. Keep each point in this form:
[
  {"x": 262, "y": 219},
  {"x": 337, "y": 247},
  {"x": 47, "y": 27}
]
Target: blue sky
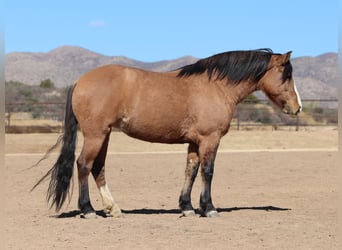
[{"x": 152, "y": 30}]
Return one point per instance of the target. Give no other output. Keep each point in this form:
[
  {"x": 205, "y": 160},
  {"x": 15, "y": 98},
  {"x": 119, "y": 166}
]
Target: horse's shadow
[{"x": 149, "y": 211}]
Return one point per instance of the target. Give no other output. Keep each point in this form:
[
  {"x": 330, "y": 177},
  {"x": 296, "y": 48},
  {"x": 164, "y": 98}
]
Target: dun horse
[{"x": 193, "y": 104}]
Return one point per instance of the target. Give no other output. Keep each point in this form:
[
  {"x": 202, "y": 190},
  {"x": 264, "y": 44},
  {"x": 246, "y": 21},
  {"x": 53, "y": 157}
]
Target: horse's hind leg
[
  {"x": 109, "y": 206},
  {"x": 91, "y": 148},
  {"x": 190, "y": 175}
]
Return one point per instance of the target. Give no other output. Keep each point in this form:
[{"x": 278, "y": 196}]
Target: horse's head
[{"x": 279, "y": 86}]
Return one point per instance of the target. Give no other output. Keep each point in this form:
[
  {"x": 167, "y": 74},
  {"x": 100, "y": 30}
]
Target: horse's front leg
[
  {"x": 207, "y": 152},
  {"x": 190, "y": 175}
]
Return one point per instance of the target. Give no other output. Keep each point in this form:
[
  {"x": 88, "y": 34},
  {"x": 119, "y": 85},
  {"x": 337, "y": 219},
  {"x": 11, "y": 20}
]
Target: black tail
[{"x": 62, "y": 171}]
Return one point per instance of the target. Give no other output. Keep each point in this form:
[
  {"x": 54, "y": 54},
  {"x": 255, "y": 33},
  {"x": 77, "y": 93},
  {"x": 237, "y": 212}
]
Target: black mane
[{"x": 237, "y": 66}]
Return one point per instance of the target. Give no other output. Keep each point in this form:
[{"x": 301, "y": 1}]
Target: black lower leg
[
  {"x": 185, "y": 197},
  {"x": 185, "y": 202},
  {"x": 206, "y": 204},
  {"x": 84, "y": 201}
]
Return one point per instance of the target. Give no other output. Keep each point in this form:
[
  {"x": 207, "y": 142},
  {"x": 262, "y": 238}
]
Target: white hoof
[
  {"x": 115, "y": 212},
  {"x": 115, "y": 215},
  {"x": 89, "y": 215},
  {"x": 212, "y": 214},
  {"x": 188, "y": 213}
]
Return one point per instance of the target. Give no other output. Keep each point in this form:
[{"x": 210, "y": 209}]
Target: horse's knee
[
  {"x": 192, "y": 167},
  {"x": 193, "y": 158}
]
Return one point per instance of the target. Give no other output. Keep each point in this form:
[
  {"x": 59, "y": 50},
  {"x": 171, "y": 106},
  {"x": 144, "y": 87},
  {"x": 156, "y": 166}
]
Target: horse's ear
[
  {"x": 280, "y": 59},
  {"x": 286, "y": 57}
]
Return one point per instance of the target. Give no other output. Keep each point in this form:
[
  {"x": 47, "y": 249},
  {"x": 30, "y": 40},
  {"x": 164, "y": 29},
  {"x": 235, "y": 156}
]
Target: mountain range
[{"x": 316, "y": 77}]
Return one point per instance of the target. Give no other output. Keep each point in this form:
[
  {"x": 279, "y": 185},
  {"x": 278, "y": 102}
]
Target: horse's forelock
[{"x": 287, "y": 73}]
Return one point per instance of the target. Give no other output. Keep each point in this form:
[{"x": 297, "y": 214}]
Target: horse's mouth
[{"x": 287, "y": 110}]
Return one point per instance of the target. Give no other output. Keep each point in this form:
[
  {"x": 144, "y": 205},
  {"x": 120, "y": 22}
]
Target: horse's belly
[{"x": 154, "y": 131}]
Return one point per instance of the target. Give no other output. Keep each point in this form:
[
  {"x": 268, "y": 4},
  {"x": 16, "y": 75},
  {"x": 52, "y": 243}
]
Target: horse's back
[
  {"x": 136, "y": 101},
  {"x": 127, "y": 79},
  {"x": 103, "y": 77}
]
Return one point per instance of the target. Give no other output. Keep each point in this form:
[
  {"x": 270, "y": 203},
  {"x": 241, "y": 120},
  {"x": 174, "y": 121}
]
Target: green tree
[
  {"x": 47, "y": 84},
  {"x": 251, "y": 98}
]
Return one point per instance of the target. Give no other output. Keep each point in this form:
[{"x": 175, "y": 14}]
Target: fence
[
  {"x": 257, "y": 113},
  {"x": 250, "y": 114},
  {"x": 34, "y": 117}
]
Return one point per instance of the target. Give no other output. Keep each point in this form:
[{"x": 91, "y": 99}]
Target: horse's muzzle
[
  {"x": 299, "y": 110},
  {"x": 289, "y": 111}
]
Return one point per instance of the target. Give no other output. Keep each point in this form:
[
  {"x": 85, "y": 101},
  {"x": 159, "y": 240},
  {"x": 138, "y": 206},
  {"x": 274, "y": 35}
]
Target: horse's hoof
[
  {"x": 116, "y": 213},
  {"x": 212, "y": 214},
  {"x": 188, "y": 213},
  {"x": 113, "y": 211},
  {"x": 91, "y": 215}
]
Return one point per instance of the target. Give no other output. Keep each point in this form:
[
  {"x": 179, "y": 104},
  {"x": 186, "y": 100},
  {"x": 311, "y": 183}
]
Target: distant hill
[{"x": 316, "y": 77}]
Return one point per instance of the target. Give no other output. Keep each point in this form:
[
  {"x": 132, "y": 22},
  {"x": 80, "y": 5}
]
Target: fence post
[
  {"x": 238, "y": 118},
  {"x": 297, "y": 123},
  {"x": 9, "y": 119}
]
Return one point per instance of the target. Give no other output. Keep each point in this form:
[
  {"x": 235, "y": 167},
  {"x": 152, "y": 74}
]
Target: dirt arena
[{"x": 273, "y": 190}]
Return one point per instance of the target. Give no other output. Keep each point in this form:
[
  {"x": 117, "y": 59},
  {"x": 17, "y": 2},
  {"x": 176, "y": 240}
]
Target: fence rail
[{"x": 249, "y": 114}]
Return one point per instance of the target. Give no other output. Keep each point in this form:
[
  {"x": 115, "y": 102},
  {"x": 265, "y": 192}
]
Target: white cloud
[{"x": 97, "y": 23}]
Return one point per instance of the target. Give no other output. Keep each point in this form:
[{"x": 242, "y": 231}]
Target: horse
[{"x": 193, "y": 104}]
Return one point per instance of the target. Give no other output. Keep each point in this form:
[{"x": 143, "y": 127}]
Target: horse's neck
[{"x": 237, "y": 92}]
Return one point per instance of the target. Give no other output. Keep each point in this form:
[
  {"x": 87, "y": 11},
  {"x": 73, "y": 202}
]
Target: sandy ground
[{"x": 273, "y": 190}]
